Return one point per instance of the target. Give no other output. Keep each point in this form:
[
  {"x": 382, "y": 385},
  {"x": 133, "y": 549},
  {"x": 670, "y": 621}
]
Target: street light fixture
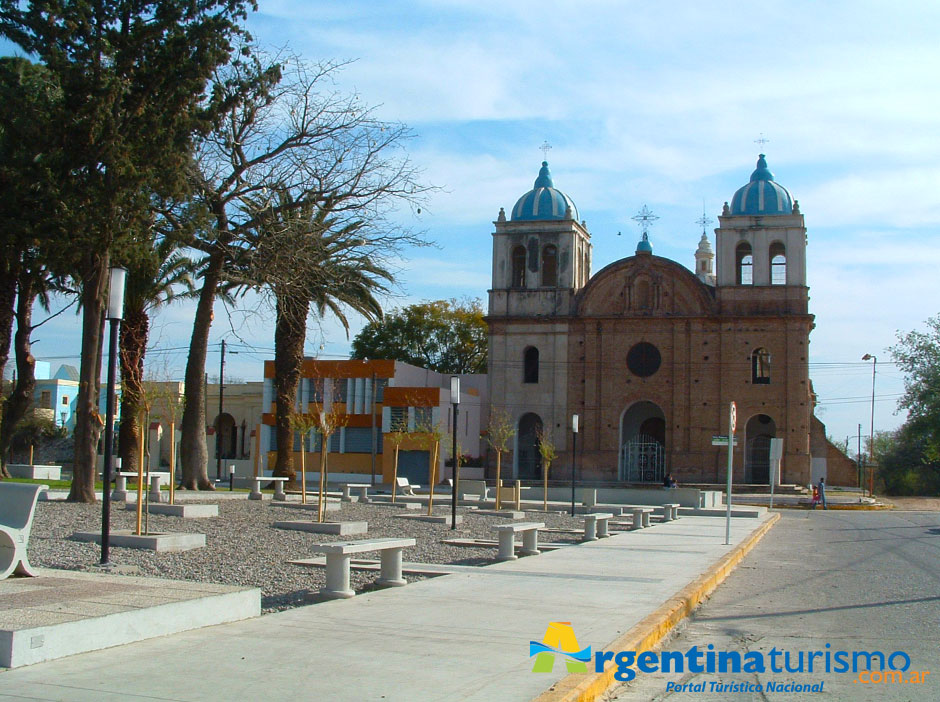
[
  {"x": 871, "y": 438},
  {"x": 574, "y": 453},
  {"x": 114, "y": 314},
  {"x": 455, "y": 401}
]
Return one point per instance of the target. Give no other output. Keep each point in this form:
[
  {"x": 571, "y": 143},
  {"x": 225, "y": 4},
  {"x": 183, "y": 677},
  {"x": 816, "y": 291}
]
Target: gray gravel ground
[{"x": 243, "y": 548}]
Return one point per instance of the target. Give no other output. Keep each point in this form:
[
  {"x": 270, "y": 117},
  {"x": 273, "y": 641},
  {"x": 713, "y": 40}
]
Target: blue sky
[{"x": 646, "y": 103}]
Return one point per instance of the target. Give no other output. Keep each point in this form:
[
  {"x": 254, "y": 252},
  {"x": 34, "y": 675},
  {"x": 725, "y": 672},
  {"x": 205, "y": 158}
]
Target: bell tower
[
  {"x": 541, "y": 253},
  {"x": 761, "y": 238}
]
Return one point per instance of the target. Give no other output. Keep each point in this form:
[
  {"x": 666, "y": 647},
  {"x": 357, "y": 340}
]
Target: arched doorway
[
  {"x": 528, "y": 459},
  {"x": 758, "y": 432},
  {"x": 643, "y": 444},
  {"x": 227, "y": 445}
]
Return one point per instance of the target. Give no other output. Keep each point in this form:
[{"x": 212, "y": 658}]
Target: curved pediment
[{"x": 645, "y": 286}]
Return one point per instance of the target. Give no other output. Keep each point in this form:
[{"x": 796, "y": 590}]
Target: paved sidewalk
[{"x": 458, "y": 637}]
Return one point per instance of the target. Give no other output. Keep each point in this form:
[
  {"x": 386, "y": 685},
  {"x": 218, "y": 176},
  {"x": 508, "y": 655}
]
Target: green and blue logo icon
[{"x": 559, "y": 639}]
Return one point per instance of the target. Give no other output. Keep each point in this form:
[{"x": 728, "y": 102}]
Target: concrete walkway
[{"x": 459, "y": 637}]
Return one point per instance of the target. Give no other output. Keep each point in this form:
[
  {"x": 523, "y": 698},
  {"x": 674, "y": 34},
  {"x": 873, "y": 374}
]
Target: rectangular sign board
[{"x": 722, "y": 441}]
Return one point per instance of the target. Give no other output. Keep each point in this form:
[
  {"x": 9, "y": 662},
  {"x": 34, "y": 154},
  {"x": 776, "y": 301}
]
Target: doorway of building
[
  {"x": 643, "y": 444},
  {"x": 228, "y": 436},
  {"x": 528, "y": 458},
  {"x": 758, "y": 432}
]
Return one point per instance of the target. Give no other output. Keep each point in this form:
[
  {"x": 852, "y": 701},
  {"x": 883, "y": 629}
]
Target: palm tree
[
  {"x": 157, "y": 277},
  {"x": 309, "y": 259}
]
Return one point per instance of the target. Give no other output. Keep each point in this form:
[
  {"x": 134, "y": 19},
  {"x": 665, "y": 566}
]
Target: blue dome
[
  {"x": 543, "y": 201},
  {"x": 644, "y": 245},
  {"x": 762, "y": 196}
]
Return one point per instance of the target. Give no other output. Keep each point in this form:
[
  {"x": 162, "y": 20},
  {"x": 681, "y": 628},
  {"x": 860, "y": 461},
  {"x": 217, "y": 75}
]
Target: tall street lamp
[
  {"x": 455, "y": 401},
  {"x": 871, "y": 438},
  {"x": 114, "y": 314},
  {"x": 574, "y": 454}
]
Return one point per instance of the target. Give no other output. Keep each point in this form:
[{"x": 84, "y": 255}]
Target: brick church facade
[{"x": 648, "y": 353}]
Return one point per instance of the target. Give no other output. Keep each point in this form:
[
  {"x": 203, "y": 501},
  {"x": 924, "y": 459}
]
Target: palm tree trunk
[
  {"x": 88, "y": 423},
  {"x": 134, "y": 331},
  {"x": 290, "y": 333}
]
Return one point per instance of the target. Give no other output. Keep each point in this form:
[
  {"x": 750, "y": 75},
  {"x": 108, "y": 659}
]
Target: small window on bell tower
[{"x": 760, "y": 367}]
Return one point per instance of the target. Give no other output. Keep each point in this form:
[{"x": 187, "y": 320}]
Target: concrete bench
[
  {"x": 473, "y": 490},
  {"x": 641, "y": 517},
  {"x": 507, "y": 539},
  {"x": 404, "y": 487},
  {"x": 279, "y": 495},
  {"x": 361, "y": 488},
  {"x": 511, "y": 494},
  {"x": 670, "y": 511},
  {"x": 338, "y": 554},
  {"x": 156, "y": 479},
  {"x": 588, "y": 496},
  {"x": 17, "y": 507},
  {"x": 595, "y": 525}
]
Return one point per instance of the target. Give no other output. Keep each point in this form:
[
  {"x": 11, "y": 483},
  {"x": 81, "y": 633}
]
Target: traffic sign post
[{"x": 732, "y": 423}]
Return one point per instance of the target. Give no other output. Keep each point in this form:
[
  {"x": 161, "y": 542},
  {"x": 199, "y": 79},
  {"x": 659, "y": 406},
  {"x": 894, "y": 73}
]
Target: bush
[{"x": 34, "y": 430}]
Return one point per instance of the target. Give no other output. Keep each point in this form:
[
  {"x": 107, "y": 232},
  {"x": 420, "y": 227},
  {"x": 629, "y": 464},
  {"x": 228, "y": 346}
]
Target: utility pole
[{"x": 218, "y": 421}]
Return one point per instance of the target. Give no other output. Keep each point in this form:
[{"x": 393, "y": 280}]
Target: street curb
[
  {"x": 580, "y": 687},
  {"x": 873, "y": 508}
]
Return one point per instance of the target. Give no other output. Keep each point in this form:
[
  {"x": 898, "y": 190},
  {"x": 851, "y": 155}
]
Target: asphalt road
[{"x": 858, "y": 581}]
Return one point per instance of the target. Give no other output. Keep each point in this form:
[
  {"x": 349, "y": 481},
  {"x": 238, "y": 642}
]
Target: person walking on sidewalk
[{"x": 822, "y": 492}]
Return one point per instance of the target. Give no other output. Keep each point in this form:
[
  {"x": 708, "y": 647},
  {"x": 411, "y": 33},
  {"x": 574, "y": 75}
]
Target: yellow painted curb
[
  {"x": 580, "y": 687},
  {"x": 875, "y": 507}
]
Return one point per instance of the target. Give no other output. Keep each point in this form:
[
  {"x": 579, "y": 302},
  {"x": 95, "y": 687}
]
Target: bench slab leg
[
  {"x": 530, "y": 543},
  {"x": 279, "y": 491},
  {"x": 590, "y": 529},
  {"x": 602, "y": 532},
  {"x": 390, "y": 575},
  {"x": 337, "y": 577},
  {"x": 507, "y": 546},
  {"x": 646, "y": 519},
  {"x": 637, "y": 521}
]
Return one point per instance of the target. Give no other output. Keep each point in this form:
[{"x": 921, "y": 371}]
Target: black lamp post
[
  {"x": 574, "y": 454},
  {"x": 114, "y": 314},
  {"x": 455, "y": 401}
]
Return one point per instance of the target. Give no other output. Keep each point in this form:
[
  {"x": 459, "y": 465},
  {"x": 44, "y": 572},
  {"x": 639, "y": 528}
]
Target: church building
[{"x": 649, "y": 354}]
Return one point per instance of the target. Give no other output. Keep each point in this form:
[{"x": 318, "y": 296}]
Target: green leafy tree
[
  {"x": 132, "y": 75},
  {"x": 30, "y": 105},
  {"x": 903, "y": 465},
  {"x": 917, "y": 355},
  {"x": 447, "y": 336}
]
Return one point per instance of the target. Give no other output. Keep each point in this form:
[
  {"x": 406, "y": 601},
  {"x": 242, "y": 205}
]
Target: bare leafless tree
[{"x": 289, "y": 142}]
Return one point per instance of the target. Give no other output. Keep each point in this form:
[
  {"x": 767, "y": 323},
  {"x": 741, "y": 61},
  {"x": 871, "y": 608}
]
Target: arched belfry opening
[
  {"x": 758, "y": 432},
  {"x": 643, "y": 443}
]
